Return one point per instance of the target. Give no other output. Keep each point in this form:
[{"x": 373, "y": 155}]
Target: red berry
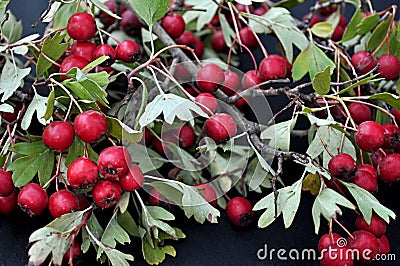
[
  {"x": 241, "y": 102},
  {"x": 363, "y": 62},
  {"x": 70, "y": 62},
  {"x": 342, "y": 21},
  {"x": 106, "y": 19},
  {"x": 207, "y": 102},
  {"x": 114, "y": 162},
  {"x": 90, "y": 125},
  {"x": 338, "y": 33},
  {"x": 210, "y": 77},
  {"x": 365, "y": 180},
  {"x": 81, "y": 26},
  {"x": 220, "y": 127},
  {"x": 247, "y": 37},
  {"x": 392, "y": 136},
  {"x": 231, "y": 83},
  {"x": 83, "y": 203},
  {"x": 130, "y": 23},
  {"x": 377, "y": 225},
  {"x": 76, "y": 251},
  {"x": 261, "y": 11},
  {"x": 273, "y": 67},
  {"x": 181, "y": 73},
  {"x": 8, "y": 203},
  {"x": 106, "y": 50},
  {"x": 326, "y": 11},
  {"x": 314, "y": 19},
  {"x": 370, "y": 136},
  {"x": 243, "y": 8},
  {"x": 199, "y": 49},
  {"x": 10, "y": 117},
  {"x": 83, "y": 49},
  {"x": 186, "y": 136},
  {"x": 368, "y": 168},
  {"x": 365, "y": 244},
  {"x": 82, "y": 173},
  {"x": 218, "y": 42},
  {"x": 359, "y": 112},
  {"x": 328, "y": 239},
  {"x": 133, "y": 179},
  {"x": 128, "y": 51},
  {"x": 187, "y": 38},
  {"x": 389, "y": 67},
  {"x": 6, "y": 183},
  {"x": 388, "y": 169},
  {"x": 378, "y": 156},
  {"x": 58, "y": 136},
  {"x": 342, "y": 165},
  {"x": 32, "y": 199},
  {"x": 62, "y": 202},
  {"x": 147, "y": 136},
  {"x": 384, "y": 246},
  {"x": 174, "y": 25},
  {"x": 396, "y": 114},
  {"x": 250, "y": 79},
  {"x": 106, "y": 193},
  {"x": 240, "y": 212},
  {"x": 208, "y": 192},
  {"x": 337, "y": 256}
]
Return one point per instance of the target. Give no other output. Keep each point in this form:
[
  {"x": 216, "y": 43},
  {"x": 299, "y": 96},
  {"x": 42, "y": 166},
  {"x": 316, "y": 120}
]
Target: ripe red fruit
[
  {"x": 370, "y": 136},
  {"x": 338, "y": 33},
  {"x": 186, "y": 136},
  {"x": 207, "y": 102},
  {"x": 58, "y": 136},
  {"x": 130, "y": 23},
  {"x": 199, "y": 49},
  {"x": 106, "y": 50},
  {"x": 218, "y": 42},
  {"x": 106, "y": 193},
  {"x": 326, "y": 11},
  {"x": 83, "y": 203},
  {"x": 396, "y": 114},
  {"x": 342, "y": 165},
  {"x": 32, "y": 199},
  {"x": 243, "y": 8},
  {"x": 70, "y": 62},
  {"x": 187, "y": 38},
  {"x": 181, "y": 73},
  {"x": 359, "y": 112},
  {"x": 82, "y": 173},
  {"x": 174, "y": 25},
  {"x": 388, "y": 169},
  {"x": 240, "y": 212},
  {"x": 314, "y": 19},
  {"x": 337, "y": 256},
  {"x": 90, "y": 125},
  {"x": 231, "y": 83},
  {"x": 241, "y": 102},
  {"x": 6, "y": 183},
  {"x": 384, "y": 246},
  {"x": 389, "y": 67},
  {"x": 368, "y": 168},
  {"x": 365, "y": 243},
  {"x": 247, "y": 37},
  {"x": 147, "y": 136},
  {"x": 261, "y": 11},
  {"x": 250, "y": 79},
  {"x": 392, "y": 136},
  {"x": 273, "y": 67},
  {"x": 128, "y": 51},
  {"x": 81, "y": 26},
  {"x": 208, "y": 192},
  {"x": 106, "y": 19},
  {"x": 161, "y": 146},
  {"x": 62, "y": 202},
  {"x": 76, "y": 251},
  {"x": 133, "y": 179},
  {"x": 83, "y": 49},
  {"x": 363, "y": 62},
  {"x": 220, "y": 127},
  {"x": 377, "y": 225},
  {"x": 378, "y": 156},
  {"x": 114, "y": 162},
  {"x": 210, "y": 77},
  {"x": 8, "y": 203},
  {"x": 10, "y": 117},
  {"x": 365, "y": 180},
  {"x": 326, "y": 240}
]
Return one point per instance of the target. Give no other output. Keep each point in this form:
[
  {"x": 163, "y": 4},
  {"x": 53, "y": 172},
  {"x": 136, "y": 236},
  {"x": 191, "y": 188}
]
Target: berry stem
[
  {"x": 67, "y": 91},
  {"x": 344, "y": 228},
  {"x": 235, "y": 23},
  {"x": 386, "y": 39}
]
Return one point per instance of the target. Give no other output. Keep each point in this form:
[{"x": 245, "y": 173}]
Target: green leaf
[
  {"x": 63, "y": 14},
  {"x": 126, "y": 221},
  {"x": 265, "y": 165},
  {"x": 100, "y": 5},
  {"x": 11, "y": 79},
  {"x": 38, "y": 105},
  {"x": 160, "y": 213},
  {"x": 77, "y": 150},
  {"x": 388, "y": 98},
  {"x": 113, "y": 233},
  {"x": 150, "y": 11},
  {"x": 372, "y": 78},
  {"x": 367, "y": 203},
  {"x": 155, "y": 254},
  {"x": 202, "y": 18},
  {"x": 322, "y": 82},
  {"x": 322, "y": 29},
  {"x": 288, "y": 3},
  {"x": 95, "y": 228},
  {"x": 53, "y": 48},
  {"x": 3, "y": 7},
  {"x": 87, "y": 89},
  {"x": 146, "y": 158},
  {"x": 119, "y": 130},
  {"x": 279, "y": 134},
  {"x": 50, "y": 106},
  {"x": 311, "y": 60},
  {"x": 67, "y": 222},
  {"x": 367, "y": 24},
  {"x": 11, "y": 29},
  {"x": 29, "y": 148},
  {"x": 95, "y": 63},
  {"x": 227, "y": 31},
  {"x": 117, "y": 258},
  {"x": 379, "y": 34},
  {"x": 327, "y": 203},
  {"x": 257, "y": 176},
  {"x": 171, "y": 106}
]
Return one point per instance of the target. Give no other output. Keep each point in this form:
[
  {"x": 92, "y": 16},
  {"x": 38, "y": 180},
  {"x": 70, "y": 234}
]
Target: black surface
[{"x": 208, "y": 244}]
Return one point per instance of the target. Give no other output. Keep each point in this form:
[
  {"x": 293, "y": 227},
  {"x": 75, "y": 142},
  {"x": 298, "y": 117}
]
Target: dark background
[{"x": 211, "y": 244}]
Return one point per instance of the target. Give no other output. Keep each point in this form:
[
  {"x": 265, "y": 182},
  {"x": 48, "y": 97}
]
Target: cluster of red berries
[
  {"x": 362, "y": 245},
  {"x": 389, "y": 65}
]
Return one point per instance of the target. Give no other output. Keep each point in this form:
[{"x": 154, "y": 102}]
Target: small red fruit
[
  {"x": 273, "y": 67},
  {"x": 338, "y": 33},
  {"x": 90, "y": 125},
  {"x": 6, "y": 183},
  {"x": 76, "y": 251},
  {"x": 368, "y": 168},
  {"x": 83, "y": 202},
  {"x": 363, "y": 62},
  {"x": 207, "y": 102},
  {"x": 337, "y": 256},
  {"x": 83, "y": 49},
  {"x": 58, "y": 136},
  {"x": 359, "y": 112},
  {"x": 314, "y": 19},
  {"x": 370, "y": 136},
  {"x": 62, "y": 202},
  {"x": 220, "y": 127},
  {"x": 326, "y": 11},
  {"x": 113, "y": 162},
  {"x": 128, "y": 51},
  {"x": 378, "y": 156},
  {"x": 208, "y": 192},
  {"x": 365, "y": 243},
  {"x": 106, "y": 50},
  {"x": 396, "y": 114},
  {"x": 32, "y": 199},
  {"x": 365, "y": 180},
  {"x": 82, "y": 173},
  {"x": 261, "y": 11},
  {"x": 81, "y": 26},
  {"x": 106, "y": 193},
  {"x": 247, "y": 37},
  {"x": 210, "y": 77},
  {"x": 250, "y": 79},
  {"x": 240, "y": 212},
  {"x": 389, "y": 66},
  {"x": 174, "y": 25},
  {"x": 187, "y": 38},
  {"x": 10, "y": 117},
  {"x": 199, "y": 49},
  {"x": 133, "y": 179},
  {"x": 328, "y": 239},
  {"x": 106, "y": 19},
  {"x": 377, "y": 225},
  {"x": 8, "y": 203},
  {"x": 186, "y": 136},
  {"x": 342, "y": 165},
  {"x": 392, "y": 136},
  {"x": 384, "y": 246},
  {"x": 388, "y": 169},
  {"x": 70, "y": 62},
  {"x": 231, "y": 83},
  {"x": 130, "y": 23},
  {"x": 218, "y": 42}
]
